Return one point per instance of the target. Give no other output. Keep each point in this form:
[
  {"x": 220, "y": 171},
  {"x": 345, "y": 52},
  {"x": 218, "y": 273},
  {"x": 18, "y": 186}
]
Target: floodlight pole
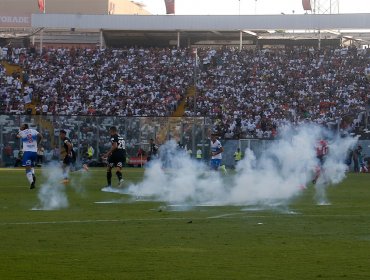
[
  {"x": 101, "y": 39},
  {"x": 240, "y": 40},
  {"x": 1, "y": 144},
  {"x": 97, "y": 142},
  {"x": 367, "y": 114},
  {"x": 255, "y": 7},
  {"x": 79, "y": 142},
  {"x": 203, "y": 136},
  {"x": 195, "y": 81},
  {"x": 193, "y": 144},
  {"x": 41, "y": 40},
  {"x": 42, "y": 31}
]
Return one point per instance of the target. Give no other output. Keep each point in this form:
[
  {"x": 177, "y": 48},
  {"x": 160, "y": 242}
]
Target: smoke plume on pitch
[
  {"x": 52, "y": 193},
  {"x": 334, "y": 167},
  {"x": 281, "y": 173},
  {"x": 176, "y": 178}
]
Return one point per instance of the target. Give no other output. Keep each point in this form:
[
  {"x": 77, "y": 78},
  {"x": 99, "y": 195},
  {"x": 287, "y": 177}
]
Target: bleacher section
[
  {"x": 180, "y": 110},
  {"x": 246, "y": 93}
]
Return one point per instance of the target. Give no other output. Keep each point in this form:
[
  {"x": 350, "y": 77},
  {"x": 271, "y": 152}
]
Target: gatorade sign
[{"x": 15, "y": 20}]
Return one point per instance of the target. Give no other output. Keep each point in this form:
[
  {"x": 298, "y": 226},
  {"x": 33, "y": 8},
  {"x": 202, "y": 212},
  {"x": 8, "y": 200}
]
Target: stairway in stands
[
  {"x": 11, "y": 68},
  {"x": 14, "y": 68},
  {"x": 180, "y": 110},
  {"x": 174, "y": 122},
  {"x": 39, "y": 120}
]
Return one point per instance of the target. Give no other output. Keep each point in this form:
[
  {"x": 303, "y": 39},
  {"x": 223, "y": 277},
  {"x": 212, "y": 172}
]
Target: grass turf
[{"x": 144, "y": 240}]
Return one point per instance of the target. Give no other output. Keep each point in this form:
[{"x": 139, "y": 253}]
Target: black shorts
[
  {"x": 117, "y": 160},
  {"x": 321, "y": 159},
  {"x": 69, "y": 160}
]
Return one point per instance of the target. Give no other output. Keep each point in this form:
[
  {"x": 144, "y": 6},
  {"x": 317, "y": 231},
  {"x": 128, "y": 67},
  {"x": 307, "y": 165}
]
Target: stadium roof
[
  {"x": 165, "y": 30},
  {"x": 199, "y": 23}
]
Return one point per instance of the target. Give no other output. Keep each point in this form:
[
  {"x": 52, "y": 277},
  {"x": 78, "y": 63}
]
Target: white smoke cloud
[
  {"x": 77, "y": 180},
  {"x": 52, "y": 194},
  {"x": 280, "y": 174},
  {"x": 176, "y": 178},
  {"x": 334, "y": 168}
]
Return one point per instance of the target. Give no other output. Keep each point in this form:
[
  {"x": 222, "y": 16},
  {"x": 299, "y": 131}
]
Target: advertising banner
[{"x": 15, "y": 20}]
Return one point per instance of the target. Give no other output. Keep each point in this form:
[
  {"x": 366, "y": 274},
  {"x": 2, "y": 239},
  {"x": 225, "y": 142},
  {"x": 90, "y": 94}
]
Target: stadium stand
[
  {"x": 247, "y": 93},
  {"x": 250, "y": 93}
]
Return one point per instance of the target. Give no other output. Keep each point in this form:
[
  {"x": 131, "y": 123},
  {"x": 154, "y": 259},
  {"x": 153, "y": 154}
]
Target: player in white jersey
[
  {"x": 216, "y": 152},
  {"x": 30, "y": 139}
]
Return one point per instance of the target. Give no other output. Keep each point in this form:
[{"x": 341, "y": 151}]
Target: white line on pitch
[
  {"x": 224, "y": 216},
  {"x": 93, "y": 221}
]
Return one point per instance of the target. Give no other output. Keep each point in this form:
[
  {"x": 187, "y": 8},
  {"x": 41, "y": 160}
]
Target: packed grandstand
[{"x": 246, "y": 93}]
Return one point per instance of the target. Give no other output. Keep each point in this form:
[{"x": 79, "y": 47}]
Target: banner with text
[{"x": 15, "y": 20}]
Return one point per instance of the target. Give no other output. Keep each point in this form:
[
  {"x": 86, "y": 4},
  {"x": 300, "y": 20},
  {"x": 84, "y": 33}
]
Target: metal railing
[{"x": 190, "y": 132}]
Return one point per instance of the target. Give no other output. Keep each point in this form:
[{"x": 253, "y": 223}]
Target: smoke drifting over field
[
  {"x": 282, "y": 173},
  {"x": 52, "y": 193}
]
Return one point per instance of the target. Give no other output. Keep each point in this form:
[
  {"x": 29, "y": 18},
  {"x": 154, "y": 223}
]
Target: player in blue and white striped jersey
[
  {"x": 216, "y": 152},
  {"x": 30, "y": 139}
]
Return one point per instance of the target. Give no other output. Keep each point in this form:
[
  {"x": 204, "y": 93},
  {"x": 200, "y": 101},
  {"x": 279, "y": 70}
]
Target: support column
[
  {"x": 240, "y": 40},
  {"x": 41, "y": 40},
  {"x": 79, "y": 142},
  {"x": 1, "y": 144},
  {"x": 203, "y": 138},
  {"x": 97, "y": 151},
  {"x": 193, "y": 139},
  {"x": 101, "y": 40}
]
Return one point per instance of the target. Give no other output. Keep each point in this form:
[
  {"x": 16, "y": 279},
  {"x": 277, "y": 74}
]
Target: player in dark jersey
[
  {"x": 116, "y": 156},
  {"x": 69, "y": 155}
]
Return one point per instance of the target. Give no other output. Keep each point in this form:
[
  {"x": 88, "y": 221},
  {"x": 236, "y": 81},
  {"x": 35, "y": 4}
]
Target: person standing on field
[
  {"x": 199, "y": 154},
  {"x": 216, "y": 152},
  {"x": 116, "y": 156},
  {"x": 40, "y": 154},
  {"x": 322, "y": 150},
  {"x": 69, "y": 155},
  {"x": 30, "y": 139},
  {"x": 237, "y": 156}
]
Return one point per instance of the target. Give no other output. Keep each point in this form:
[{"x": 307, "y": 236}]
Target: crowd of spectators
[
  {"x": 246, "y": 93},
  {"x": 126, "y": 82},
  {"x": 250, "y": 93},
  {"x": 11, "y": 94}
]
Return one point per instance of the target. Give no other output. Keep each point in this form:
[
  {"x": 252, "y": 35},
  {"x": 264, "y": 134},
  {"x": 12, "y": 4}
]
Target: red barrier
[{"x": 137, "y": 161}]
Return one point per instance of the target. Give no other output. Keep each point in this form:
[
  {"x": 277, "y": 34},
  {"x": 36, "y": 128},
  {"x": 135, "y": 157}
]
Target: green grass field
[{"x": 146, "y": 240}]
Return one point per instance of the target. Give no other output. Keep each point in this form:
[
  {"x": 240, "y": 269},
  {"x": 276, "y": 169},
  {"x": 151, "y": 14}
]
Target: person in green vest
[
  {"x": 237, "y": 156},
  {"x": 90, "y": 152},
  {"x": 199, "y": 154}
]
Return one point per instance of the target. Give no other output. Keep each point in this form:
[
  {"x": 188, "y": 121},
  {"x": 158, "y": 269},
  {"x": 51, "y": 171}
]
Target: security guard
[
  {"x": 199, "y": 154},
  {"x": 237, "y": 156}
]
